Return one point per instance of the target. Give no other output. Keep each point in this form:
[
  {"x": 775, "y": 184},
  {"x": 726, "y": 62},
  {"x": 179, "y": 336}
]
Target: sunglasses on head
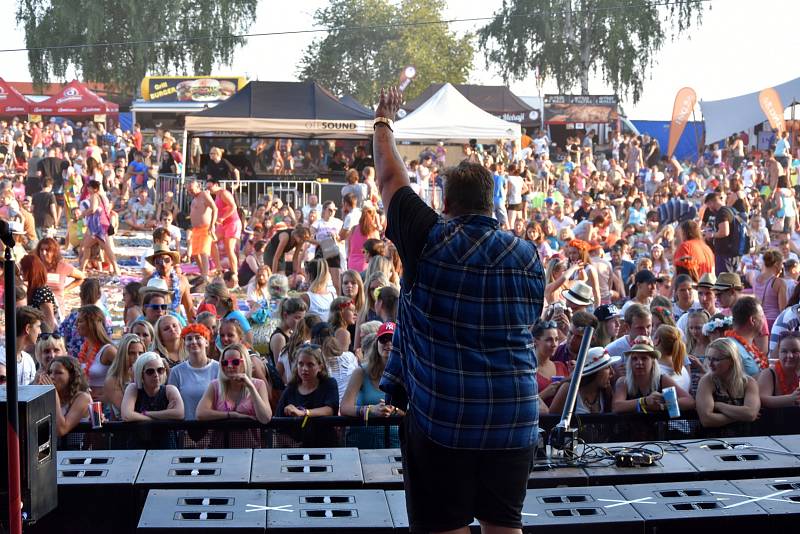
[
  {"x": 231, "y": 362},
  {"x": 47, "y": 335},
  {"x": 151, "y": 371},
  {"x": 161, "y": 307}
]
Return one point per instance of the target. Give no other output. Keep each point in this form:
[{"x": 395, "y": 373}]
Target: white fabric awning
[
  {"x": 448, "y": 115},
  {"x": 733, "y": 115}
]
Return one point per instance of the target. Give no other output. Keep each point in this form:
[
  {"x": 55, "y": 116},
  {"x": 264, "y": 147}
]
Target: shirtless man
[{"x": 203, "y": 215}]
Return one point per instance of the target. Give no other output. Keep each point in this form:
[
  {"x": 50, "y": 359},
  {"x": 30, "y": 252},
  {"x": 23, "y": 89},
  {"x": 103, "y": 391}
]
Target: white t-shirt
[
  {"x": 329, "y": 228},
  {"x": 565, "y": 222},
  {"x": 515, "y": 184},
  {"x": 26, "y": 367},
  {"x": 345, "y": 365},
  {"x": 351, "y": 219},
  {"x": 684, "y": 379},
  {"x": 541, "y": 145},
  {"x": 618, "y": 347}
]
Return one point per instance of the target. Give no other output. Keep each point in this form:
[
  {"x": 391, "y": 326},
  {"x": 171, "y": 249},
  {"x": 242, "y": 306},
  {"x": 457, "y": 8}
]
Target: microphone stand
[
  {"x": 562, "y": 436},
  {"x": 12, "y": 394}
]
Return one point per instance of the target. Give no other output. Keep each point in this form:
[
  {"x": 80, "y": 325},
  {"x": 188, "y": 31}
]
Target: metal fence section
[
  {"x": 281, "y": 432},
  {"x": 248, "y": 193}
]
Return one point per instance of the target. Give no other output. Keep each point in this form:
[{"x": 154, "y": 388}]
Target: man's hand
[{"x": 389, "y": 103}]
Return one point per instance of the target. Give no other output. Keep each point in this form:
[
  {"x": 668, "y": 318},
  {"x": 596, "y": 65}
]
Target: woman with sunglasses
[
  {"x": 310, "y": 393},
  {"x": 72, "y": 393},
  {"x": 779, "y": 385},
  {"x": 120, "y": 374},
  {"x": 167, "y": 340},
  {"x": 148, "y": 397},
  {"x": 235, "y": 394},
  {"x": 48, "y": 347},
  {"x": 230, "y": 332},
  {"x": 363, "y": 397},
  {"x": 97, "y": 351},
  {"x": 726, "y": 394},
  {"x": 197, "y": 371}
]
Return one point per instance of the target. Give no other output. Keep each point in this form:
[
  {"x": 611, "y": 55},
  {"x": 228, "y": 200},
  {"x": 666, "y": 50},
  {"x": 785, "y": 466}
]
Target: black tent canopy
[
  {"x": 300, "y": 110},
  {"x": 495, "y": 99}
]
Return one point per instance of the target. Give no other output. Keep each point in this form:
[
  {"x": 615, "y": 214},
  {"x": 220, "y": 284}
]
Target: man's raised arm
[{"x": 390, "y": 172}]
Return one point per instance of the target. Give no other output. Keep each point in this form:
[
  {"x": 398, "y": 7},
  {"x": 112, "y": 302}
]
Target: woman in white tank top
[{"x": 320, "y": 290}]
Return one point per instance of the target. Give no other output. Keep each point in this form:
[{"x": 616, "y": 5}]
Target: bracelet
[
  {"x": 638, "y": 407},
  {"x": 305, "y": 419},
  {"x": 643, "y": 404},
  {"x": 389, "y": 123},
  {"x": 366, "y": 415}
]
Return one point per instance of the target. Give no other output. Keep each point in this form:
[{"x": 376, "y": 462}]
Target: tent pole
[
  {"x": 183, "y": 167},
  {"x": 696, "y": 138}
]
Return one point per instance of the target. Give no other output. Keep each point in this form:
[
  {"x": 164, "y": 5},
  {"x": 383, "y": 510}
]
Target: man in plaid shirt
[{"x": 463, "y": 353}]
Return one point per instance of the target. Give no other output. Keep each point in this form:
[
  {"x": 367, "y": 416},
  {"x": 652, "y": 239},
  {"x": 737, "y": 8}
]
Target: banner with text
[
  {"x": 191, "y": 88},
  {"x": 771, "y": 105},
  {"x": 685, "y": 101}
]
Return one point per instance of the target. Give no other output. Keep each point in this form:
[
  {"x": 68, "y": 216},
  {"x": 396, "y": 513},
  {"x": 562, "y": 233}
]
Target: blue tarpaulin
[
  {"x": 126, "y": 121},
  {"x": 687, "y": 144}
]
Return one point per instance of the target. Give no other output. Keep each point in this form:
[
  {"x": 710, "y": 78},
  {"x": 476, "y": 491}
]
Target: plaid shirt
[{"x": 462, "y": 349}]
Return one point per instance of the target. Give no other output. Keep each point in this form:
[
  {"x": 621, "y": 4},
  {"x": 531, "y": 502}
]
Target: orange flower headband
[
  {"x": 198, "y": 329},
  {"x": 580, "y": 244}
]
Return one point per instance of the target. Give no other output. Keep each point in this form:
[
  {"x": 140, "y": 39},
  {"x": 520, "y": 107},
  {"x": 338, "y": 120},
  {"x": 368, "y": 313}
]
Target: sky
[{"x": 738, "y": 49}]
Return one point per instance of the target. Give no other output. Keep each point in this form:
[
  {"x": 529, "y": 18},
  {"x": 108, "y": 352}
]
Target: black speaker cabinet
[{"x": 37, "y": 449}]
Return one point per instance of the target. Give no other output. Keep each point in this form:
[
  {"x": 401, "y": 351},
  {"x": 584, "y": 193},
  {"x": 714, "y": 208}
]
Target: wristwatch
[{"x": 383, "y": 120}]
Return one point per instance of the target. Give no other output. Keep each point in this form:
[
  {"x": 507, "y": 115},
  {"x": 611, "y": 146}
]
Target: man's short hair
[
  {"x": 27, "y": 315},
  {"x": 350, "y": 200},
  {"x": 47, "y": 182},
  {"x": 636, "y": 311},
  {"x": 743, "y": 309},
  {"x": 468, "y": 188},
  {"x": 711, "y": 197},
  {"x": 583, "y": 319}
]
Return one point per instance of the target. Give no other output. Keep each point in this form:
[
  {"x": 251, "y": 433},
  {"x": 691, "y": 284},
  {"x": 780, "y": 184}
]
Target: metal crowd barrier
[
  {"x": 247, "y": 193},
  {"x": 382, "y": 432}
]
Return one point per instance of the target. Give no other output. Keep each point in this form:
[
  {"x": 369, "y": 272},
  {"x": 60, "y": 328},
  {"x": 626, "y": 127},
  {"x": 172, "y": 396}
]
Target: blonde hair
[
  {"x": 356, "y": 277},
  {"x": 119, "y": 369},
  {"x": 736, "y": 380},
  {"x": 691, "y": 342},
  {"x": 321, "y": 277},
  {"x": 139, "y": 364},
  {"x": 147, "y": 327},
  {"x": 224, "y": 380},
  {"x": 158, "y": 344},
  {"x": 671, "y": 344},
  {"x": 49, "y": 343},
  {"x": 369, "y": 301}
]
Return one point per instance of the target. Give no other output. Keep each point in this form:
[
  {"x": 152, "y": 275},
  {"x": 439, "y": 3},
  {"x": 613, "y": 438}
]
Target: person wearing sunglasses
[
  {"x": 179, "y": 298},
  {"x": 235, "y": 394},
  {"x": 48, "y": 347},
  {"x": 363, "y": 395},
  {"x": 72, "y": 394},
  {"x": 726, "y": 394},
  {"x": 148, "y": 397}
]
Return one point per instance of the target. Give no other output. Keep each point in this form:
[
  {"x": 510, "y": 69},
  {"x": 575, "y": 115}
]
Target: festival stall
[
  {"x": 495, "y": 99},
  {"x": 569, "y": 115},
  {"x": 297, "y": 110},
  {"x": 166, "y": 100},
  {"x": 12, "y": 102},
  {"x": 75, "y": 100},
  {"x": 448, "y": 115}
]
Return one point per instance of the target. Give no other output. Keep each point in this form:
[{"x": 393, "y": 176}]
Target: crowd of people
[{"x": 687, "y": 271}]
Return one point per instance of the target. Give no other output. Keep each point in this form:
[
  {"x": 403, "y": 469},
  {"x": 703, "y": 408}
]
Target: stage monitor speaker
[{"x": 37, "y": 449}]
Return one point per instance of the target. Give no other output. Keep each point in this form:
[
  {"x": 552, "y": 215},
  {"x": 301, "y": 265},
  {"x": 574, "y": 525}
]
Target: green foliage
[
  {"x": 569, "y": 39},
  {"x": 207, "y": 25},
  {"x": 371, "y": 41}
]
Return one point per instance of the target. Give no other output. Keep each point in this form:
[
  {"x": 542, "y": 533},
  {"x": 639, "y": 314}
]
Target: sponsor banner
[
  {"x": 771, "y": 105},
  {"x": 100, "y": 118},
  {"x": 593, "y": 109},
  {"x": 34, "y": 118},
  {"x": 685, "y": 101},
  {"x": 191, "y": 88}
]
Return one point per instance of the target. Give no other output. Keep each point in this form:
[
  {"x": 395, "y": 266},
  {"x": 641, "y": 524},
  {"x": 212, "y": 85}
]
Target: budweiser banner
[
  {"x": 771, "y": 105},
  {"x": 685, "y": 101}
]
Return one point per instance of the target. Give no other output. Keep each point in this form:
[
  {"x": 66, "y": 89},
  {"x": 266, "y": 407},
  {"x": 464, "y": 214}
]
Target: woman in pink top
[
  {"x": 367, "y": 228},
  {"x": 58, "y": 270},
  {"x": 229, "y": 225},
  {"x": 768, "y": 286}
]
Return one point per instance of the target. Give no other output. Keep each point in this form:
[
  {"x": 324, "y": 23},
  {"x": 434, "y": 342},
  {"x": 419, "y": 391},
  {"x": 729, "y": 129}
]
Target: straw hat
[
  {"x": 580, "y": 294},
  {"x": 155, "y": 285},
  {"x": 727, "y": 281},
  {"x": 162, "y": 250},
  {"x": 707, "y": 280},
  {"x": 598, "y": 358},
  {"x": 643, "y": 345}
]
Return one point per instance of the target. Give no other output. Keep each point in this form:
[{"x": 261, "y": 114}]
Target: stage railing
[{"x": 382, "y": 432}]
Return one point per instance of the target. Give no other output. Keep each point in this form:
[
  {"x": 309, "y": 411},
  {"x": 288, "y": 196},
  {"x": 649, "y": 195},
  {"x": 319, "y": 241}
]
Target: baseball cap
[
  {"x": 386, "y": 328},
  {"x": 606, "y": 312}
]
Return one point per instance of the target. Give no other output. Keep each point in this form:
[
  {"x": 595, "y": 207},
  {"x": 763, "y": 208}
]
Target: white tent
[
  {"x": 732, "y": 115},
  {"x": 448, "y": 115}
]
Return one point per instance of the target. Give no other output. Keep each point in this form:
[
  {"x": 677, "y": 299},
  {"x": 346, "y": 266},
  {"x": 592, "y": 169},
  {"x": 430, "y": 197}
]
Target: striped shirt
[{"x": 462, "y": 350}]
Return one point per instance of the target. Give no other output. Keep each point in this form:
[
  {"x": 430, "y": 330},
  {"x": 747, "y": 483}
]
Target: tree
[
  {"x": 371, "y": 41},
  {"x": 206, "y": 29},
  {"x": 567, "y": 40}
]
